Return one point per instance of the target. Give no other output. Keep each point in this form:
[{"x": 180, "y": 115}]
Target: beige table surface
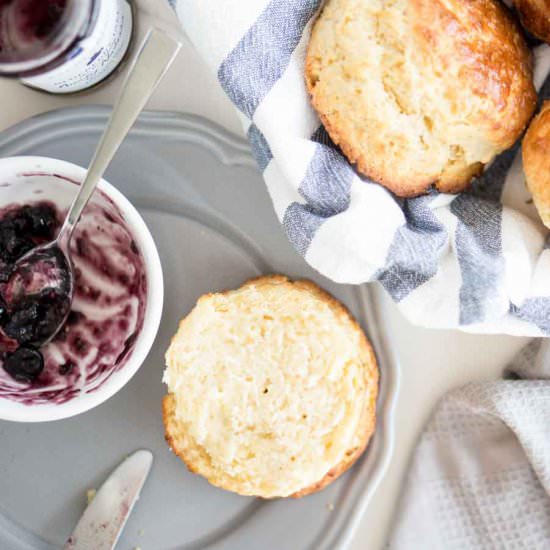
[{"x": 431, "y": 361}]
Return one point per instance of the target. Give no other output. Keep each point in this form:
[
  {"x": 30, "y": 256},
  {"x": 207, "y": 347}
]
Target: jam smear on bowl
[{"x": 106, "y": 313}]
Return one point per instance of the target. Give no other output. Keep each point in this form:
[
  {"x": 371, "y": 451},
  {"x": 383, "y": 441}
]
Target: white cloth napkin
[
  {"x": 480, "y": 476},
  {"x": 479, "y": 261}
]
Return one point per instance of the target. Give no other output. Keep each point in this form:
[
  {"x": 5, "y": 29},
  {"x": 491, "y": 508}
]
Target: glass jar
[{"x": 63, "y": 46}]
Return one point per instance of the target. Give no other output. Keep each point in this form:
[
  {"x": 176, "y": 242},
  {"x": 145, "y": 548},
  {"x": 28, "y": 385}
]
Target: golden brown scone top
[
  {"x": 536, "y": 161},
  {"x": 420, "y": 92},
  {"x": 535, "y": 17}
]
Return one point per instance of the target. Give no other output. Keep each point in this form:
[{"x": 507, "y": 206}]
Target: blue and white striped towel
[{"x": 479, "y": 261}]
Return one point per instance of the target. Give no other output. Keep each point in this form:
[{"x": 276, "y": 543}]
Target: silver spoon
[{"x": 43, "y": 278}]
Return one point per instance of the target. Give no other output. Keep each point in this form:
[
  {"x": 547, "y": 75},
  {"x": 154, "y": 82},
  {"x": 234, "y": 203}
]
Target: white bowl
[{"x": 28, "y": 179}]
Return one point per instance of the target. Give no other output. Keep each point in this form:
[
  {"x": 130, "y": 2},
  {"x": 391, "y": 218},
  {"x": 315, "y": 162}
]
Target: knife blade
[{"x": 103, "y": 520}]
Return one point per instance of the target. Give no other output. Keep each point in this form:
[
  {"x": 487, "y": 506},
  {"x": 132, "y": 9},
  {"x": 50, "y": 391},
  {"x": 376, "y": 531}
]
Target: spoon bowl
[{"x": 38, "y": 295}]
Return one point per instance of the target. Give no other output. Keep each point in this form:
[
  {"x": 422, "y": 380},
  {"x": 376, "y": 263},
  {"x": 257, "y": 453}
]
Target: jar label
[{"x": 94, "y": 57}]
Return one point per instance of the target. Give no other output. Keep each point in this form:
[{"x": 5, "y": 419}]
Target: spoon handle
[{"x": 152, "y": 61}]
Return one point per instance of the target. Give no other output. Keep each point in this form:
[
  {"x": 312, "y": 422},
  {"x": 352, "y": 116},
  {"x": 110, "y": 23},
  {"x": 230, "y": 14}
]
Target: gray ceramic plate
[{"x": 207, "y": 207}]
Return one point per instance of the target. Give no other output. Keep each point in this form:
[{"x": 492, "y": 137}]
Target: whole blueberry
[
  {"x": 24, "y": 365},
  {"x": 35, "y": 319},
  {"x": 12, "y": 243},
  {"x": 43, "y": 220}
]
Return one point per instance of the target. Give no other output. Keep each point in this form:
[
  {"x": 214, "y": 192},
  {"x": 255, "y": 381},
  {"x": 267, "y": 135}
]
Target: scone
[
  {"x": 536, "y": 161},
  {"x": 535, "y": 17},
  {"x": 420, "y": 92},
  {"x": 272, "y": 389}
]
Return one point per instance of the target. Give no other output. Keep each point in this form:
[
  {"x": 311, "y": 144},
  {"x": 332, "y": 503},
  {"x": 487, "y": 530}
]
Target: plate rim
[{"x": 233, "y": 150}]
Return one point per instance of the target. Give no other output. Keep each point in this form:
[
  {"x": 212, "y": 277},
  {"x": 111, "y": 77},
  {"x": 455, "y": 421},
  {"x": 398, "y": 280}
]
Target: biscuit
[
  {"x": 272, "y": 389},
  {"x": 536, "y": 161},
  {"x": 420, "y": 92},
  {"x": 535, "y": 17}
]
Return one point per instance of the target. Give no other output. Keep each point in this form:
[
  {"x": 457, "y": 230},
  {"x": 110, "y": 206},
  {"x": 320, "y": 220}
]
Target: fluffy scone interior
[
  {"x": 272, "y": 389},
  {"x": 420, "y": 92},
  {"x": 536, "y": 161}
]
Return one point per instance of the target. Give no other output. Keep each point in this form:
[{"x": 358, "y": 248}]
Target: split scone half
[{"x": 271, "y": 389}]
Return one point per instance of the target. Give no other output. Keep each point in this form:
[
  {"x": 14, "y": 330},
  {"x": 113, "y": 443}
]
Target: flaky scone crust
[
  {"x": 499, "y": 72},
  {"x": 536, "y": 161},
  {"x": 535, "y": 17}
]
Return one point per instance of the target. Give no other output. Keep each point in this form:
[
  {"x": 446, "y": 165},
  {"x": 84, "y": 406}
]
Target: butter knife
[{"x": 103, "y": 520}]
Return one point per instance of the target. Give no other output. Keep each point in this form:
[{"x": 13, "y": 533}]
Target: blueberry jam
[
  {"x": 34, "y": 319},
  {"x": 25, "y": 24},
  {"x": 106, "y": 313},
  {"x": 31, "y": 299},
  {"x": 22, "y": 228},
  {"x": 24, "y": 364}
]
